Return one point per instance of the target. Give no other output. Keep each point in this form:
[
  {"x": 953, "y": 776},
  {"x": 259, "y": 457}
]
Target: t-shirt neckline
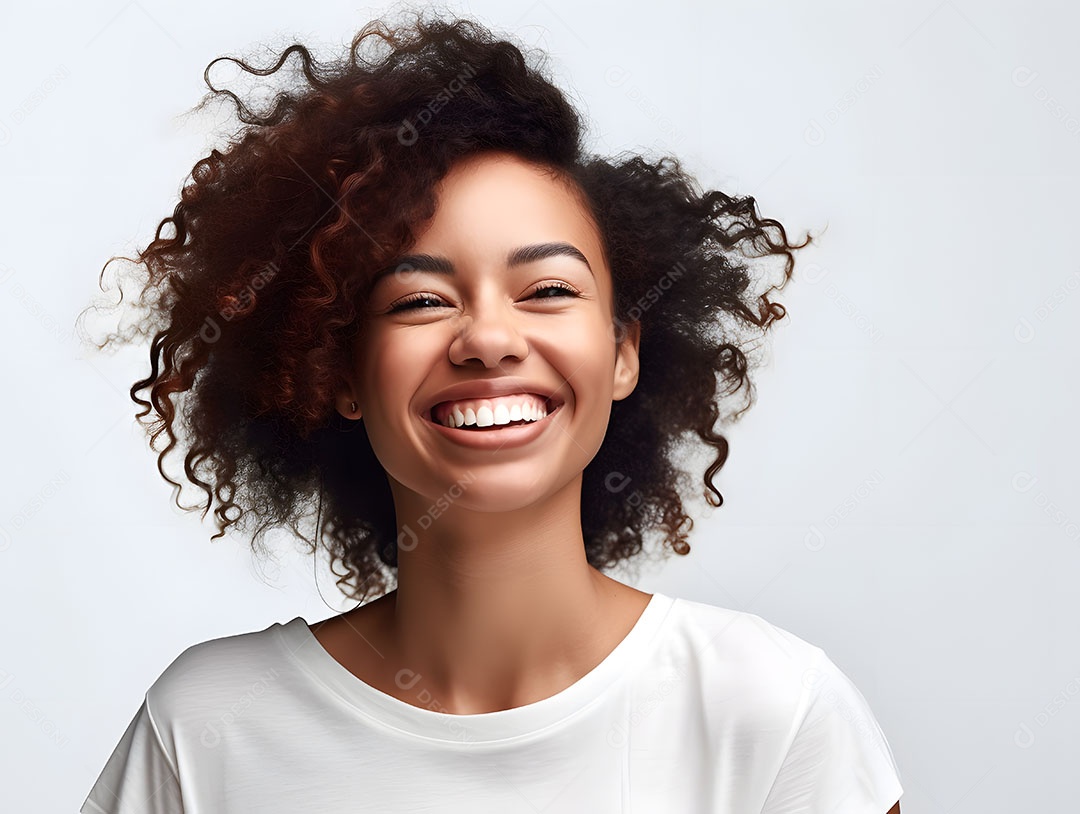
[{"x": 305, "y": 650}]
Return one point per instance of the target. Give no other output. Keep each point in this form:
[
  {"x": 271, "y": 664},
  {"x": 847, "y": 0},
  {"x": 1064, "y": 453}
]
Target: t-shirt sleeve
[
  {"x": 839, "y": 761},
  {"x": 140, "y": 776}
]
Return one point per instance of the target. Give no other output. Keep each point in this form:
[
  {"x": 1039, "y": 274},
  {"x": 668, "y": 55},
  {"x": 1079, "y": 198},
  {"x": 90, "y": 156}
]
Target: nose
[{"x": 491, "y": 334}]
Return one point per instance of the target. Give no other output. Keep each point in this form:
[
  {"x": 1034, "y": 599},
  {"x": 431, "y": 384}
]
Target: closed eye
[{"x": 412, "y": 302}]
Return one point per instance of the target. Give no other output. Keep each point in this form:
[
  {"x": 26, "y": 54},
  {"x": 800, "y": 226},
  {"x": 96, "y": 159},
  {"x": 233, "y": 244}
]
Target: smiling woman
[{"x": 477, "y": 352}]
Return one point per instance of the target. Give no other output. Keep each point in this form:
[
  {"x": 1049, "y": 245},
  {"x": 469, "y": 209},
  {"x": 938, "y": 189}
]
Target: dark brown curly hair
[{"x": 257, "y": 292}]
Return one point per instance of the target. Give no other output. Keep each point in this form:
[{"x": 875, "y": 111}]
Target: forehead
[{"x": 494, "y": 202}]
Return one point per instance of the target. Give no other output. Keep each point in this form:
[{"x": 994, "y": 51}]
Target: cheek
[
  {"x": 592, "y": 389},
  {"x": 385, "y": 371},
  {"x": 586, "y": 362}
]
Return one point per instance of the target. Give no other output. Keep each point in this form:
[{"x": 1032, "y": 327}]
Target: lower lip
[{"x": 496, "y": 439}]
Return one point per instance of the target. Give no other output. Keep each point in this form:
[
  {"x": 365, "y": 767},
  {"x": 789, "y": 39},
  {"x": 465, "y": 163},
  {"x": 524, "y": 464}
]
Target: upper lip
[{"x": 489, "y": 388}]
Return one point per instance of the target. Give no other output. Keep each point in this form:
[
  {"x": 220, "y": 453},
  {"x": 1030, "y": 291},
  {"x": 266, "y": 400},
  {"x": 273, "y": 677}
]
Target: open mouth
[{"x": 551, "y": 404}]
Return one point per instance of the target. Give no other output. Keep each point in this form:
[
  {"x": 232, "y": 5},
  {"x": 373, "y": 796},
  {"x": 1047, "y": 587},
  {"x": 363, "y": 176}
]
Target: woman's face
[{"x": 486, "y": 323}]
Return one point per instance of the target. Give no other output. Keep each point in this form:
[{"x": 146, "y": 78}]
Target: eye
[
  {"x": 557, "y": 286},
  {"x": 412, "y": 302}
]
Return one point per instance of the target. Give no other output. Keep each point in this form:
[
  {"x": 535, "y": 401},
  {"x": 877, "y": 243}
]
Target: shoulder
[
  {"x": 806, "y": 717},
  {"x": 217, "y": 677},
  {"x": 735, "y": 669},
  {"x": 192, "y": 704},
  {"x": 723, "y": 636}
]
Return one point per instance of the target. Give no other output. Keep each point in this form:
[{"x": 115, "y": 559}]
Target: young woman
[{"x": 407, "y": 292}]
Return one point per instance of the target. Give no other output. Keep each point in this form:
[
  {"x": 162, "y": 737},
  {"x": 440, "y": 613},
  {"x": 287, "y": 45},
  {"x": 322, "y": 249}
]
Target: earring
[{"x": 354, "y": 407}]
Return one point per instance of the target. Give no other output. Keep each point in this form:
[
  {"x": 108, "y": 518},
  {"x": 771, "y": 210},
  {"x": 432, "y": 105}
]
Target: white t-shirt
[{"x": 698, "y": 709}]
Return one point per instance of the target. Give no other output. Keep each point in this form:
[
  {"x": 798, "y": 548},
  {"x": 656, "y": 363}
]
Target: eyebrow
[{"x": 437, "y": 264}]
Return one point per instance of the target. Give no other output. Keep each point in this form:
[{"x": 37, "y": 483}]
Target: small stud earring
[{"x": 354, "y": 407}]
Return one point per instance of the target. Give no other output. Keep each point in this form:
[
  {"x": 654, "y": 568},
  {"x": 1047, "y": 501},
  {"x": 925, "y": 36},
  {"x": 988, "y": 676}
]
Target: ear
[
  {"x": 348, "y": 393},
  {"x": 627, "y": 365},
  {"x": 344, "y": 400}
]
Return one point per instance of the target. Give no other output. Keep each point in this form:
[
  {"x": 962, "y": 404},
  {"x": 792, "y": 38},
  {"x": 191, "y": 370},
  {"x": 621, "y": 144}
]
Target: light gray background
[{"x": 903, "y": 494}]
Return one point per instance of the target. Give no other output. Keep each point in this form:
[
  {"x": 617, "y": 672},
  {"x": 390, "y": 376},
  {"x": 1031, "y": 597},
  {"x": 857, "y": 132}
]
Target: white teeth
[{"x": 485, "y": 417}]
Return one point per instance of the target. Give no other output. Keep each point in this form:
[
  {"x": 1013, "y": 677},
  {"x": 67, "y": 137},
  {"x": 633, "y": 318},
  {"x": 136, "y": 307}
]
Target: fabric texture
[{"x": 698, "y": 709}]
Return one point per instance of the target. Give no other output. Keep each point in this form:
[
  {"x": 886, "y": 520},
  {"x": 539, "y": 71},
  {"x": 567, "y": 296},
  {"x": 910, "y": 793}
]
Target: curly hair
[{"x": 255, "y": 297}]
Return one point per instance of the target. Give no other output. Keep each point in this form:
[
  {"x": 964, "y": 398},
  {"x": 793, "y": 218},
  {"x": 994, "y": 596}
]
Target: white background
[{"x": 903, "y": 494}]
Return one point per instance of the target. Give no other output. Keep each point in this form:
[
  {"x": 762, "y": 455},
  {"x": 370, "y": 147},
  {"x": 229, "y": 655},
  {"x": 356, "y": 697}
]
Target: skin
[{"x": 496, "y": 606}]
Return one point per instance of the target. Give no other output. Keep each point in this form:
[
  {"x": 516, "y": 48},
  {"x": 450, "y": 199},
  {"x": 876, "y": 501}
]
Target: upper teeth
[{"x": 486, "y": 412}]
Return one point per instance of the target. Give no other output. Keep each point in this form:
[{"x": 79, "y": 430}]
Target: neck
[{"x": 493, "y": 609}]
